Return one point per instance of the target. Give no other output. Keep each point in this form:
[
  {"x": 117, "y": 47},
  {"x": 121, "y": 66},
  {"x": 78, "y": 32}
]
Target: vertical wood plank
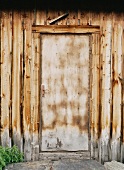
[
  {"x": 95, "y": 101},
  {"x": 41, "y": 17},
  {"x": 35, "y": 93},
  {"x": 16, "y": 79},
  {"x": 117, "y": 74},
  {"x": 27, "y": 88},
  {"x": 79, "y": 17},
  {"x": 48, "y": 18},
  {"x": 84, "y": 18},
  {"x": 64, "y": 21},
  {"x": 73, "y": 18},
  {"x": 122, "y": 121},
  {"x": 91, "y": 99},
  {"x": 106, "y": 24},
  {"x": 6, "y": 56},
  {"x": 33, "y": 18},
  {"x": 94, "y": 18},
  {"x": 95, "y": 95}
]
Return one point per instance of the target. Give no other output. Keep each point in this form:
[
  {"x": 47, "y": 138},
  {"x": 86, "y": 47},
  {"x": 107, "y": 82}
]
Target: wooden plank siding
[
  {"x": 35, "y": 93},
  {"x": 117, "y": 91},
  {"x": 17, "y": 76},
  {"x": 105, "y": 88},
  {"x": 6, "y": 75},
  {"x": 95, "y": 79},
  {"x": 122, "y": 106},
  {"x": 20, "y": 62},
  {"x": 27, "y": 85}
]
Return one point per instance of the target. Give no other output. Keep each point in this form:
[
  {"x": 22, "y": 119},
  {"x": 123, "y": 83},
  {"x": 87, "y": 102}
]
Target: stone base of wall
[{"x": 114, "y": 165}]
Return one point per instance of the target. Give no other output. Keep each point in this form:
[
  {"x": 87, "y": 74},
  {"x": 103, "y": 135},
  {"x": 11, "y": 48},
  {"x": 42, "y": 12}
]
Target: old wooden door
[{"x": 65, "y": 91}]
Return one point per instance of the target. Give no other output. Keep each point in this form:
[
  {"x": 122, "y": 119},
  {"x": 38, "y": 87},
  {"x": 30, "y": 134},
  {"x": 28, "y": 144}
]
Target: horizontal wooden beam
[{"x": 65, "y": 29}]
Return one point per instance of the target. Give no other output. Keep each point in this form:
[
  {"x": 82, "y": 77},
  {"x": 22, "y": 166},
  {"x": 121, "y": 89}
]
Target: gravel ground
[{"x": 57, "y": 165}]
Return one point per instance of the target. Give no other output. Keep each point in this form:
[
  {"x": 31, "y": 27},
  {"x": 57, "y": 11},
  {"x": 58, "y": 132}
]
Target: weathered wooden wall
[{"x": 20, "y": 80}]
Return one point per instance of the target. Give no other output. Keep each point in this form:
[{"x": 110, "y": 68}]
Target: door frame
[
  {"x": 68, "y": 29},
  {"x": 78, "y": 29}
]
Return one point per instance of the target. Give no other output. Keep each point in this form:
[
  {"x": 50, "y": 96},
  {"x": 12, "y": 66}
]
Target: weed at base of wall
[{"x": 10, "y": 155}]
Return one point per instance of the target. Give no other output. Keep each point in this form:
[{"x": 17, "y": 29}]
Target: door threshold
[{"x": 64, "y": 155}]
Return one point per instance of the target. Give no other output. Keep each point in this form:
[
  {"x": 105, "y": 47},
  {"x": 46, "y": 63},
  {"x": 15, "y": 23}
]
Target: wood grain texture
[
  {"x": 106, "y": 88},
  {"x": 95, "y": 94},
  {"x": 19, "y": 70},
  {"x": 40, "y": 17},
  {"x": 6, "y": 58},
  {"x": 65, "y": 29},
  {"x": 16, "y": 79},
  {"x": 117, "y": 87},
  {"x": 122, "y": 114},
  {"x": 27, "y": 86},
  {"x": 35, "y": 92}
]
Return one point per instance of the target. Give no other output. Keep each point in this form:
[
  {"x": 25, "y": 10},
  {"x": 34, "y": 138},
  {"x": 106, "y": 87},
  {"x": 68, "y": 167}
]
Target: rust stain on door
[{"x": 65, "y": 76}]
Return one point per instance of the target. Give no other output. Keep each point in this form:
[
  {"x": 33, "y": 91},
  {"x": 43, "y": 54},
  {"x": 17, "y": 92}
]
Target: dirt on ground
[{"x": 57, "y": 165}]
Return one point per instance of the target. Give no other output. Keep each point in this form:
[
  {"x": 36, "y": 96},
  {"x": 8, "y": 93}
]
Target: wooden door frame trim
[
  {"x": 72, "y": 29},
  {"x": 60, "y": 29}
]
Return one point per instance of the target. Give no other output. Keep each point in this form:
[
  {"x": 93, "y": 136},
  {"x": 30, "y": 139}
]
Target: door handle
[{"x": 43, "y": 90}]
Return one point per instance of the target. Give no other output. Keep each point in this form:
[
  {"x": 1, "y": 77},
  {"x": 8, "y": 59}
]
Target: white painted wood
[{"x": 65, "y": 75}]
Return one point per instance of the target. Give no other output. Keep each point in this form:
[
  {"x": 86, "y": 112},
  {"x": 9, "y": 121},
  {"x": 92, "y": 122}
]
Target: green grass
[{"x": 10, "y": 155}]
